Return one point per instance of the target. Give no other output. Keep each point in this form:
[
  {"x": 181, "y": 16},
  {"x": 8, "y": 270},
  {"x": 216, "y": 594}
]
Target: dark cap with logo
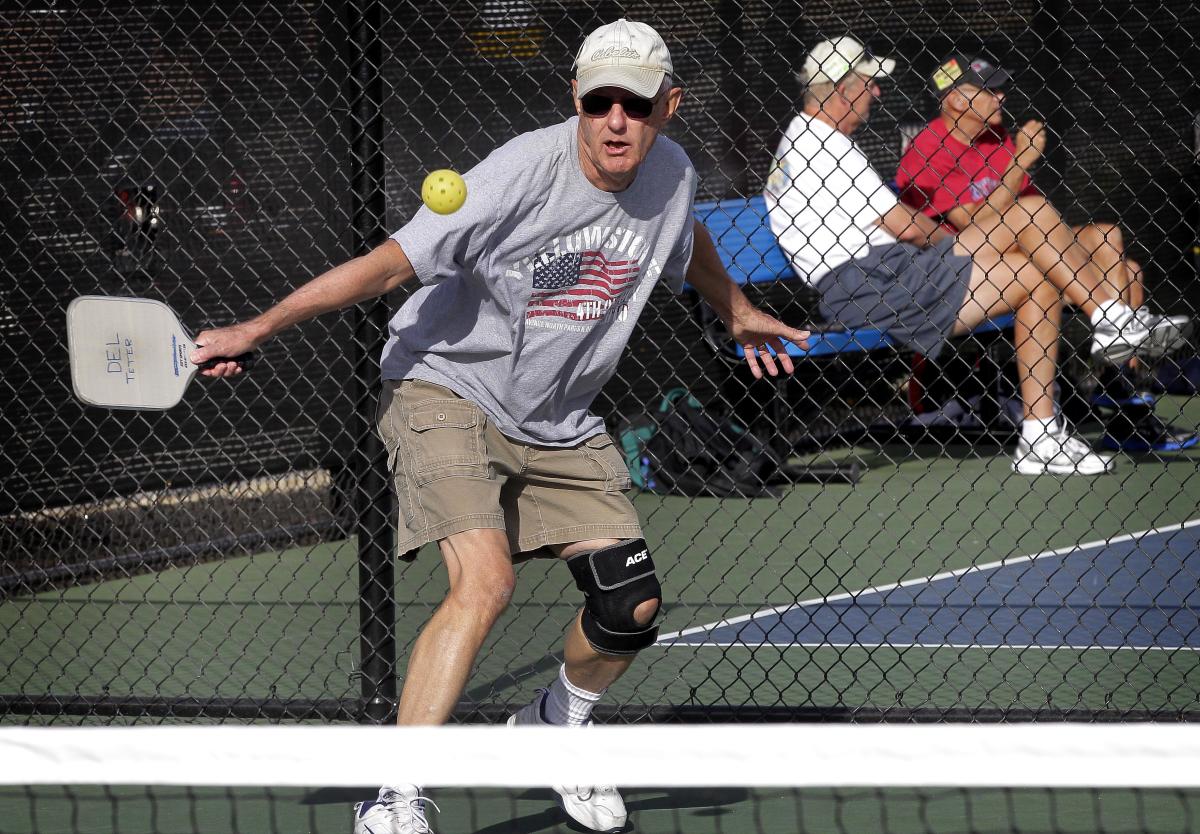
[{"x": 961, "y": 69}]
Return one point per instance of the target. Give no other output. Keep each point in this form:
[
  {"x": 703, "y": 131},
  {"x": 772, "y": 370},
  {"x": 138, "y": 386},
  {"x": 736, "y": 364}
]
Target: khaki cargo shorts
[{"x": 454, "y": 471}]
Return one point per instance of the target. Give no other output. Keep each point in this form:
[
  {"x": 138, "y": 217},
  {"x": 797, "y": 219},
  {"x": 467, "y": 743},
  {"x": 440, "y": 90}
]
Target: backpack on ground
[{"x": 682, "y": 448}]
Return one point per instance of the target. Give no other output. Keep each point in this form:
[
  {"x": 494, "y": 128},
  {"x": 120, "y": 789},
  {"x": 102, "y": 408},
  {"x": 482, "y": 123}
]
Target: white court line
[
  {"x": 918, "y": 580},
  {"x": 1014, "y": 646}
]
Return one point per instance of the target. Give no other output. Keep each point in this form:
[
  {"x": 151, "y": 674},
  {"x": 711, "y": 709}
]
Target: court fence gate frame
[{"x": 214, "y": 158}]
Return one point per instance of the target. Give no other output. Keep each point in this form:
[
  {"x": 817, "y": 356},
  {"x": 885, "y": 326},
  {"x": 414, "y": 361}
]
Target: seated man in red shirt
[{"x": 964, "y": 169}]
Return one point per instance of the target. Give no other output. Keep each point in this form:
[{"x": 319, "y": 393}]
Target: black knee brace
[{"x": 615, "y": 580}]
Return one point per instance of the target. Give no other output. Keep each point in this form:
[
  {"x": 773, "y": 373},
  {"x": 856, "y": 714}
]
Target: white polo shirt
[{"x": 824, "y": 198}]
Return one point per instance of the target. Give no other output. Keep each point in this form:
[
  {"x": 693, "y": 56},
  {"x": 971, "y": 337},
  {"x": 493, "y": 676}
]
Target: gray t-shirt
[{"x": 531, "y": 290}]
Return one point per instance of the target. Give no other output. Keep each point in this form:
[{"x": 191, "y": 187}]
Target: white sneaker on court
[
  {"x": 399, "y": 809},
  {"x": 1124, "y": 332},
  {"x": 598, "y": 808},
  {"x": 1058, "y": 452}
]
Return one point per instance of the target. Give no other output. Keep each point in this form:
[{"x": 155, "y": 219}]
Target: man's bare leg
[
  {"x": 587, "y": 668},
  {"x": 1036, "y": 333},
  {"x": 584, "y": 676},
  {"x": 997, "y": 286},
  {"x": 1137, "y": 283},
  {"x": 481, "y": 584},
  {"x": 1035, "y": 226},
  {"x": 1013, "y": 284},
  {"x": 1105, "y": 244}
]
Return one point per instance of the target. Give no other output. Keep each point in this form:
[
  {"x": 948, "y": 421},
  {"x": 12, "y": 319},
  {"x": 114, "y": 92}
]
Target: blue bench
[{"x": 751, "y": 254}]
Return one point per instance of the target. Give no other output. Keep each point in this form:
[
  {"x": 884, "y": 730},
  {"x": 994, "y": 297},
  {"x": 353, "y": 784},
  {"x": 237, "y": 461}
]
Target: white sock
[
  {"x": 567, "y": 704},
  {"x": 1034, "y": 430},
  {"x": 1100, "y": 314}
]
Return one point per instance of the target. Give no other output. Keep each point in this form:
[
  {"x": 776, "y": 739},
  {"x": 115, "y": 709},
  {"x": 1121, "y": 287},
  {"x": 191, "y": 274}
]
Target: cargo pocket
[
  {"x": 445, "y": 439},
  {"x": 608, "y": 461},
  {"x": 387, "y": 423}
]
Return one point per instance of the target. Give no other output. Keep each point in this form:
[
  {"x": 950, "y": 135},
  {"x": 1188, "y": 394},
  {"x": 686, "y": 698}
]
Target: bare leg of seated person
[
  {"x": 1012, "y": 283},
  {"x": 1126, "y": 405},
  {"x": 1133, "y": 425},
  {"x": 1105, "y": 245},
  {"x": 1034, "y": 227}
]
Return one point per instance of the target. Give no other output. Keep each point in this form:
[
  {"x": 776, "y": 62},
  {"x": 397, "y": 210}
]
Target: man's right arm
[
  {"x": 369, "y": 276},
  {"x": 1029, "y": 143}
]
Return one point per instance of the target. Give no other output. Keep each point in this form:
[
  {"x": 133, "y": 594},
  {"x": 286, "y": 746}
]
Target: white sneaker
[
  {"x": 597, "y": 808},
  {"x": 1059, "y": 452},
  {"x": 398, "y": 810},
  {"x": 600, "y": 809},
  {"x": 1124, "y": 332},
  {"x": 1145, "y": 315}
]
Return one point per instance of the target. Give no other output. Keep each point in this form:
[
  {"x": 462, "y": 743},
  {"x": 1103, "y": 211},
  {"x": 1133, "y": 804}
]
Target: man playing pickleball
[{"x": 529, "y": 295}]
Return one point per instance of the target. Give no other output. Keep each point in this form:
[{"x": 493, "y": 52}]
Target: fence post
[
  {"x": 731, "y": 50},
  {"x": 377, "y": 606}
]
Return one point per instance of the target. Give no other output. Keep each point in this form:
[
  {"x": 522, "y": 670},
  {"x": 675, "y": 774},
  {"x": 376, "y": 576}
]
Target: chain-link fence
[{"x": 233, "y": 557}]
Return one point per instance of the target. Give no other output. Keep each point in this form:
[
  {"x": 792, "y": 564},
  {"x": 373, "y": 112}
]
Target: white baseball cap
[
  {"x": 623, "y": 54},
  {"x": 832, "y": 60}
]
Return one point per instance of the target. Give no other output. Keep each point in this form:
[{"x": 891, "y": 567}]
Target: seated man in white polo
[{"x": 880, "y": 264}]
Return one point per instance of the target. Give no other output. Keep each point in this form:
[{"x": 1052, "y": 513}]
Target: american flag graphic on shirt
[{"x": 579, "y": 286}]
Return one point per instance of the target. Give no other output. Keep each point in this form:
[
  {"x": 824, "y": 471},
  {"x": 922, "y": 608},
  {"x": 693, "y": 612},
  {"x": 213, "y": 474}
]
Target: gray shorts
[{"x": 912, "y": 294}]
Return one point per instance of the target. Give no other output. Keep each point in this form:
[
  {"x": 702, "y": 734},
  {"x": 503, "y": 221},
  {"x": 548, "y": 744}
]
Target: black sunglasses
[{"x": 635, "y": 107}]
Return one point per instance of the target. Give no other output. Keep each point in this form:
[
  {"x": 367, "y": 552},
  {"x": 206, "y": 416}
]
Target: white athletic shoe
[
  {"x": 1125, "y": 332},
  {"x": 1146, "y": 317},
  {"x": 597, "y": 808},
  {"x": 1059, "y": 452},
  {"x": 398, "y": 810},
  {"x": 600, "y": 808}
]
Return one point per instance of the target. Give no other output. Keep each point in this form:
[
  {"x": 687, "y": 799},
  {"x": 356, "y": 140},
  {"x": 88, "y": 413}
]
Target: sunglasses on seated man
[{"x": 635, "y": 107}]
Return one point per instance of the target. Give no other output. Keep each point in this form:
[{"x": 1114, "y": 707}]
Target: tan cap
[
  {"x": 623, "y": 54},
  {"x": 830, "y": 61}
]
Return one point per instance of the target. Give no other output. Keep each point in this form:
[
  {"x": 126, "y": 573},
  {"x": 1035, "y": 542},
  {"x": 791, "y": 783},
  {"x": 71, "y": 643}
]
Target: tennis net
[{"x": 760, "y": 778}]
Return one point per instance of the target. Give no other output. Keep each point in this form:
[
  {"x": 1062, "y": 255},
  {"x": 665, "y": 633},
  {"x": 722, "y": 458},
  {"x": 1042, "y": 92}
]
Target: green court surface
[
  {"x": 284, "y": 625},
  {"x": 169, "y": 810}
]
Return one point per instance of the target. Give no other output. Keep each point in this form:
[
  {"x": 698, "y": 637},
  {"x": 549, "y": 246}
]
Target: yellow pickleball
[{"x": 444, "y": 191}]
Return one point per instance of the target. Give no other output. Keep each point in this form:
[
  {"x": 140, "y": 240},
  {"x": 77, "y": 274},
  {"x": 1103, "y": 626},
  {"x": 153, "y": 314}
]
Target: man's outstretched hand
[
  {"x": 234, "y": 340},
  {"x": 756, "y": 331}
]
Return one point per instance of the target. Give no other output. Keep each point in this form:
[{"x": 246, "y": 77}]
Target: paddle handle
[{"x": 246, "y": 360}]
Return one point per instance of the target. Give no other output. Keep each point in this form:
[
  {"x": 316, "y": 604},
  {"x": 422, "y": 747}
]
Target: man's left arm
[{"x": 750, "y": 327}]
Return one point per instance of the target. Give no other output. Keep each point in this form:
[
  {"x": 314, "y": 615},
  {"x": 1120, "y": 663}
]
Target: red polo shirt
[{"x": 938, "y": 172}]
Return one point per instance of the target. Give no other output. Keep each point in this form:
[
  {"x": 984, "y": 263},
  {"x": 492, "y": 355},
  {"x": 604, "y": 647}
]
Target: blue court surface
[{"x": 1136, "y": 591}]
